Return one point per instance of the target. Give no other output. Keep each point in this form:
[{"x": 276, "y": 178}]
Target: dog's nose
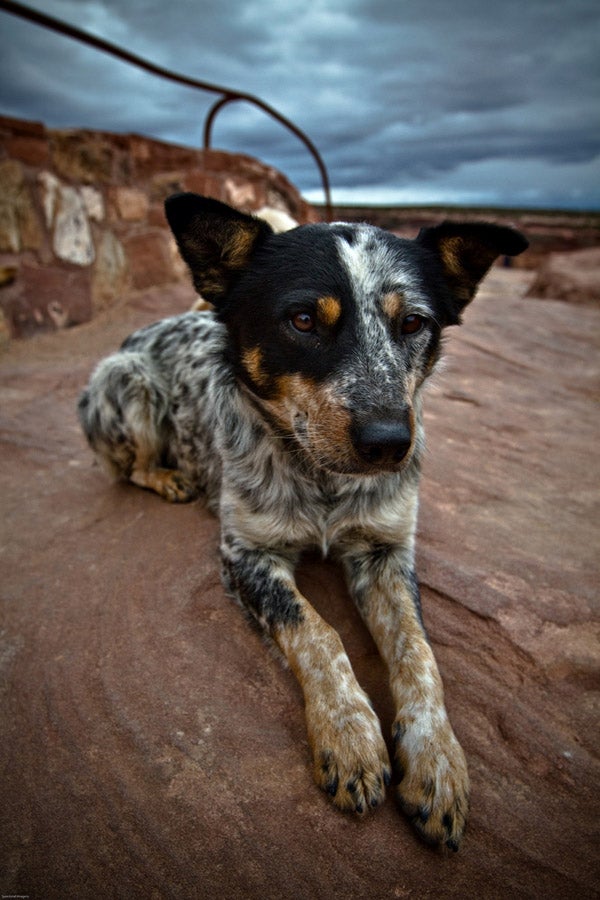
[{"x": 382, "y": 442}]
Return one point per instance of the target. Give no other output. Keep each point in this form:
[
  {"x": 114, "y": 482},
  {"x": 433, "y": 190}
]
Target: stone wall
[{"x": 82, "y": 221}]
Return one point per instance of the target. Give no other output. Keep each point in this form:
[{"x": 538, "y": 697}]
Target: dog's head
[{"x": 334, "y": 328}]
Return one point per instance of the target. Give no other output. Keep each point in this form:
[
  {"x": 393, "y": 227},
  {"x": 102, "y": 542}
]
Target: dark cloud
[{"x": 406, "y": 99}]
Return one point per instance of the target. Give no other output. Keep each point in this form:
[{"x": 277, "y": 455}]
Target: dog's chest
[
  {"x": 270, "y": 504},
  {"x": 261, "y": 489}
]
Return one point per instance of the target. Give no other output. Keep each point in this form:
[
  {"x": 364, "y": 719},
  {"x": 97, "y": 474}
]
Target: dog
[{"x": 294, "y": 406}]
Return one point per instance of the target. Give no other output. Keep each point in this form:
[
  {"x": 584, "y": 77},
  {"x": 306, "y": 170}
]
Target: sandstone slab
[
  {"x": 42, "y": 299},
  {"x": 110, "y": 279},
  {"x": 84, "y": 156},
  {"x": 150, "y": 258},
  {"x": 93, "y": 201},
  {"x": 72, "y": 237},
  {"x": 132, "y": 204},
  {"x": 19, "y": 225}
]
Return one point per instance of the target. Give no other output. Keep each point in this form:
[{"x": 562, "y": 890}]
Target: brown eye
[
  {"x": 412, "y": 324},
  {"x": 303, "y": 322}
]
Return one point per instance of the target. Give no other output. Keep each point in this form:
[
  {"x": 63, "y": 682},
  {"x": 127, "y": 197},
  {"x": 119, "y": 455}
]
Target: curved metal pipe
[{"x": 211, "y": 115}]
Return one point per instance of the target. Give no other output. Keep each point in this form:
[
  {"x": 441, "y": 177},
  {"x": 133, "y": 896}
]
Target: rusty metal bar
[{"x": 228, "y": 95}]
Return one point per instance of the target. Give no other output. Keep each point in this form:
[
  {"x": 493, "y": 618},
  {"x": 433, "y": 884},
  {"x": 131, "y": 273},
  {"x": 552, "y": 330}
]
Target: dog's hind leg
[
  {"x": 350, "y": 758},
  {"x": 124, "y": 415}
]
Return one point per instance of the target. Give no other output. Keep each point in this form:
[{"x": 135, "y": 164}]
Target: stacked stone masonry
[{"x": 82, "y": 222}]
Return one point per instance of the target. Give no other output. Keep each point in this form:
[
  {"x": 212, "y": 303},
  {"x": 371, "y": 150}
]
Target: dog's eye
[
  {"x": 412, "y": 324},
  {"x": 304, "y": 322}
]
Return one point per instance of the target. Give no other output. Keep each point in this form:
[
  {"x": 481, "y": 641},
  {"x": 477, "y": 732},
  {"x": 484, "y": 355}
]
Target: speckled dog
[{"x": 295, "y": 408}]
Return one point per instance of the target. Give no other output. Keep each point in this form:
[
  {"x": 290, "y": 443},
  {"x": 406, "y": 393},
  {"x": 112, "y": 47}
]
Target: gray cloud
[{"x": 420, "y": 100}]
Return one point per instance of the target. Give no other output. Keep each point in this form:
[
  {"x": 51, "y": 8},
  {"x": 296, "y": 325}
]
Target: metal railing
[{"x": 228, "y": 95}]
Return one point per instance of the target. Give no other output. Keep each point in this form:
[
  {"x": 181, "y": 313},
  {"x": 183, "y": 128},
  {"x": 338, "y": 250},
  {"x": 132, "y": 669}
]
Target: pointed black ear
[
  {"x": 215, "y": 240},
  {"x": 467, "y": 250}
]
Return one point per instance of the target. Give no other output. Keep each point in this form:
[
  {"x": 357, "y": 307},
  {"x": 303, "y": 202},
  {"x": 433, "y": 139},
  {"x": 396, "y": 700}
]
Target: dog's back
[{"x": 152, "y": 411}]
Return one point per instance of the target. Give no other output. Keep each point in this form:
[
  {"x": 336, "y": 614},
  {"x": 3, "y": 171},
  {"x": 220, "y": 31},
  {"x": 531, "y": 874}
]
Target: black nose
[{"x": 382, "y": 442}]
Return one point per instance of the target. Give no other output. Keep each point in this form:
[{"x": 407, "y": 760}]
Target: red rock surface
[
  {"x": 151, "y": 747},
  {"x": 571, "y": 276}
]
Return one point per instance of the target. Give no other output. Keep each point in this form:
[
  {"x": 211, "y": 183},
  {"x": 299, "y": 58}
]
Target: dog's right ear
[{"x": 215, "y": 241}]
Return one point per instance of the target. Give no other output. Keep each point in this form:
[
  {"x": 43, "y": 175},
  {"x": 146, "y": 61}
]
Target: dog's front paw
[
  {"x": 171, "y": 484},
  {"x": 351, "y": 761},
  {"x": 434, "y": 789},
  {"x": 178, "y": 489}
]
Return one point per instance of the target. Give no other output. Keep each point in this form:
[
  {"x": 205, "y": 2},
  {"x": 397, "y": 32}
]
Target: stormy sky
[{"x": 408, "y": 101}]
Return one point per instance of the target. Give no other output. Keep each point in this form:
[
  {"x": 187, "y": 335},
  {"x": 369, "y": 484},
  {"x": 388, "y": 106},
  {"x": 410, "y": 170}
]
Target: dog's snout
[{"x": 383, "y": 442}]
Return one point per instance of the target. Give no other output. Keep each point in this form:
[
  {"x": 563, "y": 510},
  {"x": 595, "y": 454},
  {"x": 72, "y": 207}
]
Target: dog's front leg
[
  {"x": 434, "y": 785},
  {"x": 350, "y": 758}
]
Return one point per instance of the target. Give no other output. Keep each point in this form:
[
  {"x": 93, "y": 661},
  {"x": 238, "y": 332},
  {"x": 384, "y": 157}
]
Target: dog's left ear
[
  {"x": 466, "y": 252},
  {"x": 215, "y": 241}
]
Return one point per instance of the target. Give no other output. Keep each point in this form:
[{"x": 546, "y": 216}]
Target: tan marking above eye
[
  {"x": 392, "y": 304},
  {"x": 329, "y": 309}
]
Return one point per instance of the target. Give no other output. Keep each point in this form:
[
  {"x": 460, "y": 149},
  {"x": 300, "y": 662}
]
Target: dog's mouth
[
  {"x": 334, "y": 438},
  {"x": 374, "y": 447}
]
